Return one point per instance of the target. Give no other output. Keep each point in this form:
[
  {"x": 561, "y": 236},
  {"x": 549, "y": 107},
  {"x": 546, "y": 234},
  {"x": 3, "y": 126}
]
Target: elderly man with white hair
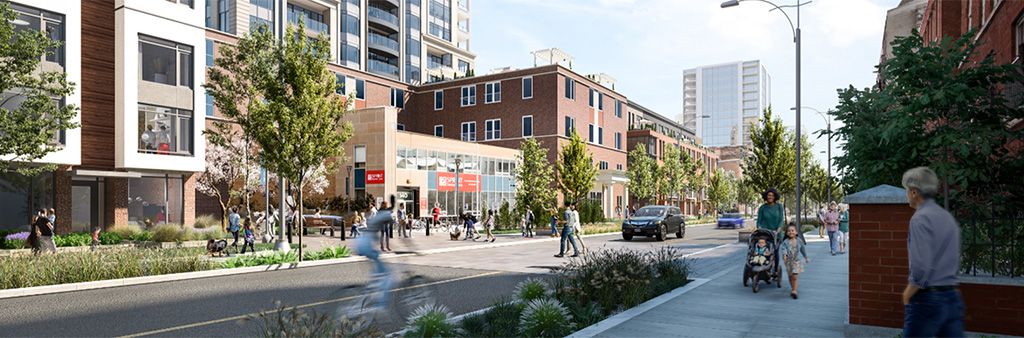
[{"x": 932, "y": 301}]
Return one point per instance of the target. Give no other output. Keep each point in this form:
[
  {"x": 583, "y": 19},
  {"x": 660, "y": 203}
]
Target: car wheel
[
  {"x": 682, "y": 229},
  {"x": 627, "y": 237},
  {"x": 662, "y": 231}
]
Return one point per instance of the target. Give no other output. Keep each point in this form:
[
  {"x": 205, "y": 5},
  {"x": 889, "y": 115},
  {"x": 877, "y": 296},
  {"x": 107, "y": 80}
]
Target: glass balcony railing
[
  {"x": 382, "y": 67},
  {"x": 383, "y": 41},
  {"x": 381, "y": 14}
]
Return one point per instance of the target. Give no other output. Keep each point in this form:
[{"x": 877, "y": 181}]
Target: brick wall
[
  {"x": 115, "y": 201},
  {"x": 189, "y": 200},
  {"x": 879, "y": 271},
  {"x": 62, "y": 187}
]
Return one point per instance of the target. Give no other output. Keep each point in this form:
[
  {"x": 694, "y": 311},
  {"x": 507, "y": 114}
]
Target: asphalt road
[{"x": 464, "y": 281}]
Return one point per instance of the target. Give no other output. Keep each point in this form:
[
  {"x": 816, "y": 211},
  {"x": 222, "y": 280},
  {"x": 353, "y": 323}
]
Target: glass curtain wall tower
[{"x": 733, "y": 94}]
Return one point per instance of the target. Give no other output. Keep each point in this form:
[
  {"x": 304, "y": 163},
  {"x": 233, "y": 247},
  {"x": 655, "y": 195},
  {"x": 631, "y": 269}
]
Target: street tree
[
  {"x": 673, "y": 174},
  {"x": 718, "y": 190},
  {"x": 283, "y": 97},
  {"x": 224, "y": 169},
  {"x": 30, "y": 117},
  {"x": 576, "y": 170},
  {"x": 944, "y": 106},
  {"x": 642, "y": 170},
  {"x": 771, "y": 163},
  {"x": 534, "y": 177},
  {"x": 747, "y": 194}
]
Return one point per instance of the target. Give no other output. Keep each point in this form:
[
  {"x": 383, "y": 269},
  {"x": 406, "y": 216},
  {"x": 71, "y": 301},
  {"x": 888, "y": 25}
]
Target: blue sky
[{"x": 646, "y": 45}]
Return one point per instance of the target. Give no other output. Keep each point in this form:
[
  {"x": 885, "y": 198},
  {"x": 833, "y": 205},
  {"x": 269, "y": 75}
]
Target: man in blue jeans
[
  {"x": 567, "y": 231},
  {"x": 932, "y": 301}
]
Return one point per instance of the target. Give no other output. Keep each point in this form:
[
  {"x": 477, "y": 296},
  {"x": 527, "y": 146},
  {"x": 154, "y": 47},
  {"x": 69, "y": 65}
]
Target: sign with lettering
[
  {"x": 375, "y": 177},
  {"x": 467, "y": 182}
]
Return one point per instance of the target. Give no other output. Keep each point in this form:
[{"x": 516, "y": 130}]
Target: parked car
[
  {"x": 731, "y": 220},
  {"x": 656, "y": 221}
]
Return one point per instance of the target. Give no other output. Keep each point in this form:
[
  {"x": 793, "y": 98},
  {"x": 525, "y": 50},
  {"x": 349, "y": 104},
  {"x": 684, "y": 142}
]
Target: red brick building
[{"x": 695, "y": 202}]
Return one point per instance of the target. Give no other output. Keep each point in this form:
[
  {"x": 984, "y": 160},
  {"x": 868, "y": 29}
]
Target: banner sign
[
  {"x": 375, "y": 177},
  {"x": 467, "y": 182}
]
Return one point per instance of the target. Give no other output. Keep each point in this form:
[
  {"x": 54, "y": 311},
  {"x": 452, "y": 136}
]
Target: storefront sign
[
  {"x": 467, "y": 182},
  {"x": 375, "y": 177},
  {"x": 423, "y": 202}
]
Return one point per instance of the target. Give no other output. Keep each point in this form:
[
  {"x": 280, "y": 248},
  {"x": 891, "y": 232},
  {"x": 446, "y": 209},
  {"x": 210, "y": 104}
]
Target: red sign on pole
[
  {"x": 375, "y": 177},
  {"x": 467, "y": 182}
]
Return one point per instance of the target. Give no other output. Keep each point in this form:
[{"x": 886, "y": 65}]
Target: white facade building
[{"x": 733, "y": 95}]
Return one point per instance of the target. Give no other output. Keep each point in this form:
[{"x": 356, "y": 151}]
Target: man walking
[
  {"x": 567, "y": 230},
  {"x": 821, "y": 221},
  {"x": 932, "y": 302},
  {"x": 234, "y": 225}
]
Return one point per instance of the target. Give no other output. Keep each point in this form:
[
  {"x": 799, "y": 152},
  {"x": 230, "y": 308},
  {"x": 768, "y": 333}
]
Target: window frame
[
  {"x": 618, "y": 141},
  {"x": 179, "y": 49},
  {"x": 600, "y": 135},
  {"x": 532, "y": 133},
  {"x": 468, "y": 96},
  {"x": 590, "y": 139},
  {"x": 492, "y": 92},
  {"x": 176, "y": 137},
  {"x": 1018, "y": 30},
  {"x": 436, "y": 130},
  {"x": 570, "y": 126},
  {"x": 438, "y": 100},
  {"x": 340, "y": 78},
  {"x": 360, "y": 94},
  {"x": 468, "y": 135},
  {"x": 397, "y": 98},
  {"x": 492, "y": 129},
  {"x": 618, "y": 108},
  {"x": 525, "y": 86},
  {"x": 570, "y": 88}
]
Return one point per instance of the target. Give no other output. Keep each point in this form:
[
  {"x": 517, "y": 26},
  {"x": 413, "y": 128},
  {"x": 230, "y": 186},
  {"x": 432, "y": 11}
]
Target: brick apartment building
[
  {"x": 546, "y": 102},
  {"x": 695, "y": 202}
]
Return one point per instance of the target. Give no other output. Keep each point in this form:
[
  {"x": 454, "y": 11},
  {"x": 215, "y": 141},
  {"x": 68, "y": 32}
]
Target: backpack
[{"x": 529, "y": 216}]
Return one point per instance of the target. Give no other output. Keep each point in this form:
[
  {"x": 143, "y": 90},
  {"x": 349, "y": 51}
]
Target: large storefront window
[
  {"x": 165, "y": 131},
  {"x": 155, "y": 200},
  {"x": 165, "y": 61},
  {"x": 21, "y": 197}
]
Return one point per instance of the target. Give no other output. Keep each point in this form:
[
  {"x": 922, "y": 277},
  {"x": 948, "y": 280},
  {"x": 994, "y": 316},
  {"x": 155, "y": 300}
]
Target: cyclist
[{"x": 376, "y": 226}]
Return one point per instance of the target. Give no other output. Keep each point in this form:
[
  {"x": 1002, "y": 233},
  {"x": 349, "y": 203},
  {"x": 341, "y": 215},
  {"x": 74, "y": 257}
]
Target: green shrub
[
  {"x": 167, "y": 233},
  {"x": 584, "y": 315},
  {"x": 126, "y": 230},
  {"x": 144, "y": 236},
  {"x": 474, "y": 326},
  {"x": 110, "y": 238},
  {"x": 327, "y": 253},
  {"x": 430, "y": 321},
  {"x": 530, "y": 289},
  {"x": 546, "y": 318},
  {"x": 14, "y": 244},
  {"x": 212, "y": 233},
  {"x": 293, "y": 322},
  {"x": 258, "y": 260},
  {"x": 73, "y": 267},
  {"x": 76, "y": 239},
  {"x": 502, "y": 320},
  {"x": 206, "y": 221}
]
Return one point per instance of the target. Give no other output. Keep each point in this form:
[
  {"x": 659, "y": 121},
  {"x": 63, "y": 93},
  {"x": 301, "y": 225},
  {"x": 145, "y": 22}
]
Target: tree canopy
[
  {"x": 576, "y": 170},
  {"x": 641, "y": 172},
  {"x": 771, "y": 163},
  {"x": 534, "y": 177}
]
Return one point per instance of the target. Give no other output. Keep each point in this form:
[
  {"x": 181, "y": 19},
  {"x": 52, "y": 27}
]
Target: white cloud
[{"x": 617, "y": 3}]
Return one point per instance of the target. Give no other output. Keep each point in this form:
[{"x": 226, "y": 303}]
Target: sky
[{"x": 646, "y": 45}]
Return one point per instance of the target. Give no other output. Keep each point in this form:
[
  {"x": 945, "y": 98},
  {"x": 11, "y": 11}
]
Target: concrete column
[{"x": 115, "y": 201}]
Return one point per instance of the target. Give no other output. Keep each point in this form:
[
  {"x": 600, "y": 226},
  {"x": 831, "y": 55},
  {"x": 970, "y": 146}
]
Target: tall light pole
[
  {"x": 458, "y": 162},
  {"x": 828, "y": 159},
  {"x": 796, "y": 40}
]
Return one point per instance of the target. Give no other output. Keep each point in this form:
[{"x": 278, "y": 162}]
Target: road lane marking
[{"x": 235, "y": 318}]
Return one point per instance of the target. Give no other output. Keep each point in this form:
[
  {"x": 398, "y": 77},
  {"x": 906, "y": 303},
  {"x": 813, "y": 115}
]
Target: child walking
[
  {"x": 489, "y": 224},
  {"x": 789, "y": 249},
  {"x": 250, "y": 237}
]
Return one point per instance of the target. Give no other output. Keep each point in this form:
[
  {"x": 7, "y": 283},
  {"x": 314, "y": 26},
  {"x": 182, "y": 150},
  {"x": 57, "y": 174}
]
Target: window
[
  {"x": 619, "y": 168},
  {"x": 350, "y": 54},
  {"x": 593, "y": 97},
  {"x": 463, "y": 66},
  {"x": 469, "y": 131},
  {"x": 397, "y": 98},
  {"x": 492, "y": 92},
  {"x": 51, "y": 24},
  {"x": 165, "y": 62},
  {"x": 339, "y": 81},
  {"x": 209, "y": 105},
  {"x": 360, "y": 156},
  {"x": 165, "y": 131},
  {"x": 209, "y": 53},
  {"x": 600, "y": 135},
  {"x": 527, "y": 126},
  {"x": 261, "y": 12},
  {"x": 570, "y": 126},
  {"x": 1018, "y": 30},
  {"x": 314, "y": 20},
  {"x": 438, "y": 100},
  {"x": 412, "y": 47},
  {"x": 361, "y": 89},
  {"x": 156, "y": 197},
  {"x": 618, "y": 109},
  {"x": 527, "y": 87},
  {"x": 570, "y": 89},
  {"x": 618, "y": 140},
  {"x": 222, "y": 16},
  {"x": 591, "y": 138},
  {"x": 468, "y": 96},
  {"x": 492, "y": 130},
  {"x": 439, "y": 131},
  {"x": 400, "y": 127},
  {"x": 602, "y": 165}
]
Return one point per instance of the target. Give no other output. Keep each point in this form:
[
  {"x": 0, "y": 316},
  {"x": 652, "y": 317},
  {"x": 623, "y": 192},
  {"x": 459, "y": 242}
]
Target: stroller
[{"x": 754, "y": 272}]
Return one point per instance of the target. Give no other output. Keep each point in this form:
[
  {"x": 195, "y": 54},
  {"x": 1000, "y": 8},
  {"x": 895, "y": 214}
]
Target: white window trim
[
  {"x": 498, "y": 92},
  {"x": 435, "y": 99},
  {"x": 571, "y": 89},
  {"x": 462, "y": 98},
  {"x": 400, "y": 127},
  {"x": 472, "y": 135},
  {"x": 532, "y": 132},
  {"x": 524, "y": 86},
  {"x": 442, "y": 130},
  {"x": 491, "y": 136}
]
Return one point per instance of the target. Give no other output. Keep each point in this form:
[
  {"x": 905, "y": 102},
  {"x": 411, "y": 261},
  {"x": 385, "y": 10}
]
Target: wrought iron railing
[{"x": 992, "y": 243}]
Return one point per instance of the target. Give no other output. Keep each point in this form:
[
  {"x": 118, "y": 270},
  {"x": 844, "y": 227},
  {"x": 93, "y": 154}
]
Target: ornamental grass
[{"x": 23, "y": 271}]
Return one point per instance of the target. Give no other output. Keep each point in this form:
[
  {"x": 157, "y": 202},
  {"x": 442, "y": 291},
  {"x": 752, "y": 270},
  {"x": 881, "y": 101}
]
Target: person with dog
[
  {"x": 234, "y": 225},
  {"x": 933, "y": 305},
  {"x": 567, "y": 230},
  {"x": 248, "y": 236}
]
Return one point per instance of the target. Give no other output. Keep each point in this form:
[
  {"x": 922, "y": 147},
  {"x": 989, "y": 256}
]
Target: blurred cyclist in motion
[{"x": 375, "y": 233}]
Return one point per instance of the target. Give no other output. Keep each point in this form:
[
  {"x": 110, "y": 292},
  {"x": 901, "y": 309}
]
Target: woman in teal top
[
  {"x": 844, "y": 229},
  {"x": 771, "y": 214}
]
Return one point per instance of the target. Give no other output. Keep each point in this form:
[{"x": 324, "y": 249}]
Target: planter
[
  {"x": 168, "y": 245},
  {"x": 14, "y": 252},
  {"x": 543, "y": 231}
]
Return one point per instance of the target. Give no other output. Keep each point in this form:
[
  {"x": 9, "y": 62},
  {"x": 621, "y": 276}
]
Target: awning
[{"x": 105, "y": 173}]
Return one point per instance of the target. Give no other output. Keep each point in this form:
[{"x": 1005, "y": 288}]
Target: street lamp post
[
  {"x": 458, "y": 162},
  {"x": 828, "y": 159},
  {"x": 796, "y": 40}
]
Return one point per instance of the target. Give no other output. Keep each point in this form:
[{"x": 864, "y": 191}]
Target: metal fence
[{"x": 992, "y": 243}]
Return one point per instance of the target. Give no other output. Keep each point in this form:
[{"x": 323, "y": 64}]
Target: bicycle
[{"x": 387, "y": 298}]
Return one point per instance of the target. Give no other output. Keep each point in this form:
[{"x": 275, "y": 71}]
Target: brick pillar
[
  {"x": 115, "y": 201},
  {"x": 62, "y": 202},
  {"x": 189, "y": 199}
]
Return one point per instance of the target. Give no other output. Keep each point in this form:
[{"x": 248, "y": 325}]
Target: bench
[{"x": 325, "y": 223}]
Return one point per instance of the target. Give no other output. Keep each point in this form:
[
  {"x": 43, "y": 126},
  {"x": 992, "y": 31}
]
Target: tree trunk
[
  {"x": 299, "y": 224},
  {"x": 223, "y": 213}
]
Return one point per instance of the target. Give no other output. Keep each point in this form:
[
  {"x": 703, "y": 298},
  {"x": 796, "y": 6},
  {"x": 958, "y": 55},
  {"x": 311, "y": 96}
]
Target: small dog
[
  {"x": 454, "y": 234},
  {"x": 216, "y": 247}
]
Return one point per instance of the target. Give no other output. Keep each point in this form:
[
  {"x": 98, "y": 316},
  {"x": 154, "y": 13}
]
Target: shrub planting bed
[{"x": 29, "y": 270}]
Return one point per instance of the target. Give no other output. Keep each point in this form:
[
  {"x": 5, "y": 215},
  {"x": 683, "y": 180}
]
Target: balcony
[
  {"x": 382, "y": 19},
  {"x": 383, "y": 44},
  {"x": 382, "y": 69}
]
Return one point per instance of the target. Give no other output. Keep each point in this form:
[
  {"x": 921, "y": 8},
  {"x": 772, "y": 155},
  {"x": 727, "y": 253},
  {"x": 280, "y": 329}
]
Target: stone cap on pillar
[{"x": 882, "y": 194}]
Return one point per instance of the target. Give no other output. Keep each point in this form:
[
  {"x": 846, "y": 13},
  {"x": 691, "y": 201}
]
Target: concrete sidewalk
[{"x": 720, "y": 306}]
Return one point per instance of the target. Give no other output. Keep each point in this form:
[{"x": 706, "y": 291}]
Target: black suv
[{"x": 655, "y": 220}]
